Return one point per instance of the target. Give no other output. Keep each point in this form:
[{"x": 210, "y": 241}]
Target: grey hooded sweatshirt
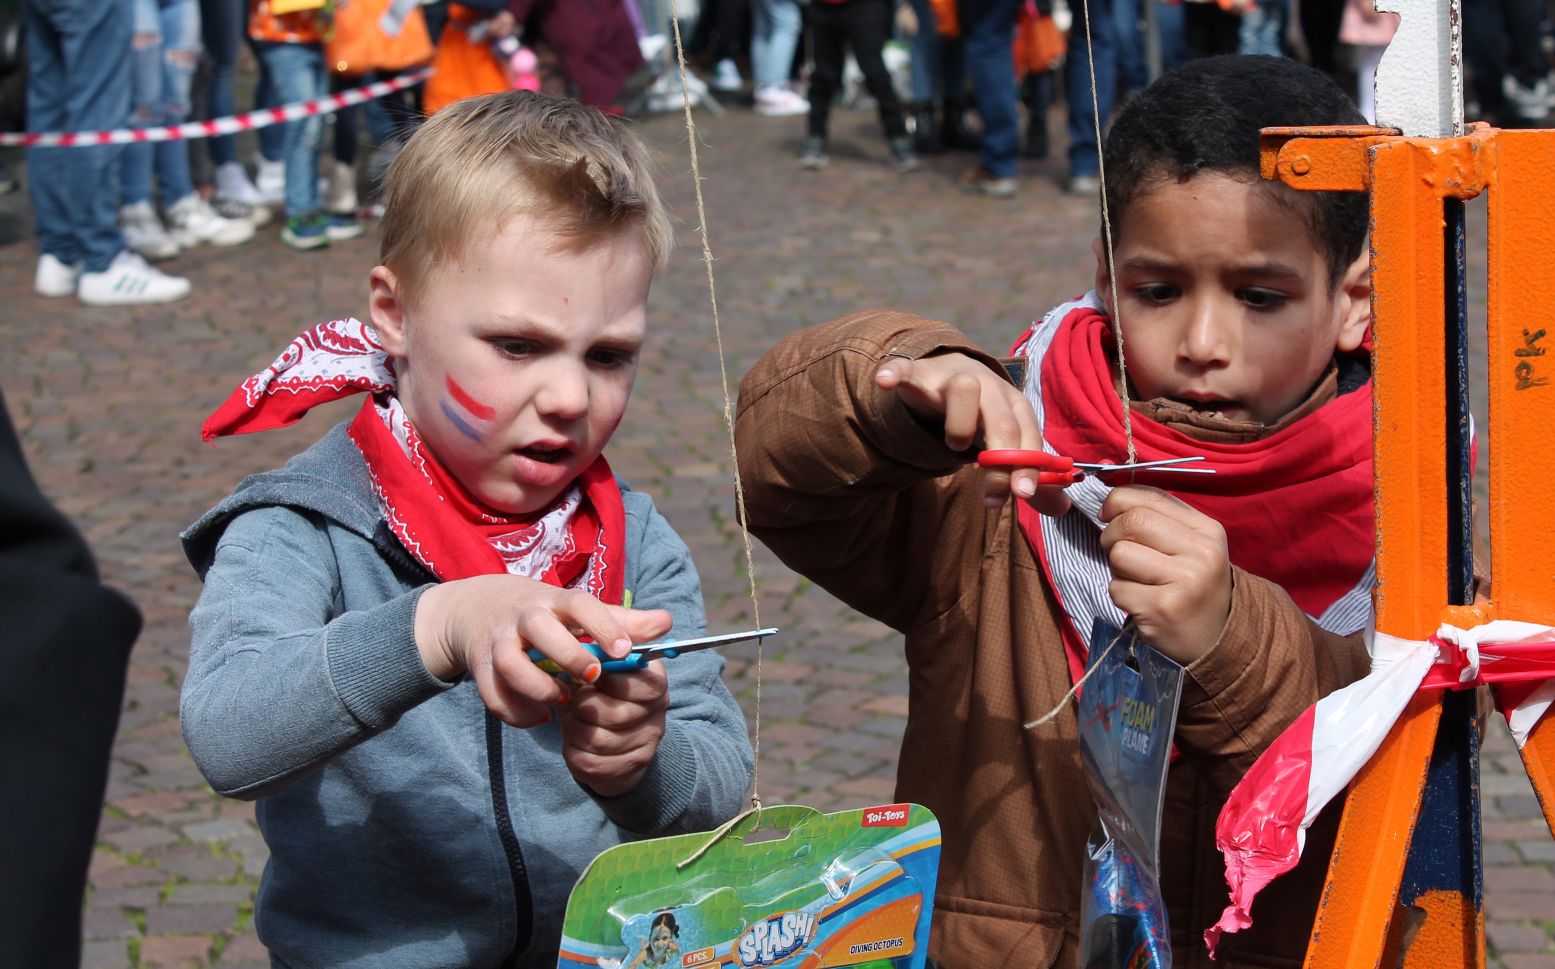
[{"x": 407, "y": 826}]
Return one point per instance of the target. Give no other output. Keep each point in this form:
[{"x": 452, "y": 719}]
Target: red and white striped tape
[{"x": 217, "y": 126}]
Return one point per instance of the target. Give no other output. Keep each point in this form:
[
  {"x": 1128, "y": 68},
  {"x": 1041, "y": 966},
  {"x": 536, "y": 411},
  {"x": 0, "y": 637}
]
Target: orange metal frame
[{"x": 1360, "y": 921}]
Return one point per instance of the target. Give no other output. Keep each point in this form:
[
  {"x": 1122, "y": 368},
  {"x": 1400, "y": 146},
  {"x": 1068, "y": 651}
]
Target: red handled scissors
[{"x": 1055, "y": 469}]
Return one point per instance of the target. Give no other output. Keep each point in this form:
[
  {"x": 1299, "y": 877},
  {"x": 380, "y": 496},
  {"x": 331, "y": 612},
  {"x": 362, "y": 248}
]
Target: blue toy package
[{"x": 1128, "y": 709}]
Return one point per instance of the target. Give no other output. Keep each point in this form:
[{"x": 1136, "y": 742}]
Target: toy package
[
  {"x": 1128, "y": 709},
  {"x": 786, "y": 887}
]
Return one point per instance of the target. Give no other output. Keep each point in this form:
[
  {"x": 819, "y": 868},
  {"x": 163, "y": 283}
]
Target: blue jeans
[
  {"x": 774, "y": 35},
  {"x": 222, "y": 25},
  {"x": 272, "y": 138},
  {"x": 1263, "y": 29},
  {"x": 938, "y": 64},
  {"x": 297, "y": 71},
  {"x": 164, "y": 54},
  {"x": 78, "y": 79},
  {"x": 989, "y": 26},
  {"x": 1134, "y": 71},
  {"x": 1083, "y": 148}
]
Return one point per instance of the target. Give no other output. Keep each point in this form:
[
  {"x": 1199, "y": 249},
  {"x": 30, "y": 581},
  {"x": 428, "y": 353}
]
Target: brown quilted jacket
[{"x": 856, "y": 493}]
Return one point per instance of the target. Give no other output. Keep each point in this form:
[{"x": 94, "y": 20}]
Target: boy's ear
[
  {"x": 387, "y": 309},
  {"x": 1103, "y": 280},
  {"x": 1354, "y": 304}
]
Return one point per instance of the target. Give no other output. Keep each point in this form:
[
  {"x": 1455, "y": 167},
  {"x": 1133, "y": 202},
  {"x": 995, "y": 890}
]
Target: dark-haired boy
[{"x": 1244, "y": 308}]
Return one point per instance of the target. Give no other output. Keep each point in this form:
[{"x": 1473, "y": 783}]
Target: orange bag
[
  {"x": 358, "y": 42},
  {"x": 461, "y": 69},
  {"x": 1038, "y": 45},
  {"x": 945, "y": 19}
]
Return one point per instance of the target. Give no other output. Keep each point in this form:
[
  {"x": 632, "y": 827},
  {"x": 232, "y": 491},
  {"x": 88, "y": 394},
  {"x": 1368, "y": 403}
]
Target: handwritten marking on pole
[{"x": 1524, "y": 369}]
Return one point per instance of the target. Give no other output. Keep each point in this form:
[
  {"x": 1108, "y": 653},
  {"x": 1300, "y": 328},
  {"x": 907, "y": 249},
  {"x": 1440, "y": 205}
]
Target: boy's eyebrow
[
  {"x": 1266, "y": 268},
  {"x": 502, "y": 324}
]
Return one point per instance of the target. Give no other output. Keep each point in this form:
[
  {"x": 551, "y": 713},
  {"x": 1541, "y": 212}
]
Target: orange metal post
[
  {"x": 1409, "y": 179},
  {"x": 1522, "y": 403}
]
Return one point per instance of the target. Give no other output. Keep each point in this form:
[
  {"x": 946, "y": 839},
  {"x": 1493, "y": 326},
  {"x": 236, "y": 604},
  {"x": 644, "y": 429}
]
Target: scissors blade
[
  {"x": 1168, "y": 464},
  {"x": 653, "y": 650}
]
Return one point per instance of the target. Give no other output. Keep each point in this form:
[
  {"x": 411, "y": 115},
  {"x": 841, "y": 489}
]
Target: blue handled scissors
[{"x": 641, "y": 656}]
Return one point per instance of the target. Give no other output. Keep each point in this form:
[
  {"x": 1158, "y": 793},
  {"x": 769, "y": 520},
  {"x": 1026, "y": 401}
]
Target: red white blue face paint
[{"x": 472, "y": 418}]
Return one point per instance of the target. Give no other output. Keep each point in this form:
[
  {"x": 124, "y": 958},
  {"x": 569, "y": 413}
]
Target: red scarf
[
  {"x": 1296, "y": 505},
  {"x": 579, "y": 540}
]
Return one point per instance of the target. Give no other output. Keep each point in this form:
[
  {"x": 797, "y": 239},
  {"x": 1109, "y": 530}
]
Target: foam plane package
[{"x": 787, "y": 887}]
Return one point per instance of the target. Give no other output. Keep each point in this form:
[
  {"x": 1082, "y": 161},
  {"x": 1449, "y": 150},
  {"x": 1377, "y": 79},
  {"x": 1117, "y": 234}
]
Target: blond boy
[{"x": 360, "y": 652}]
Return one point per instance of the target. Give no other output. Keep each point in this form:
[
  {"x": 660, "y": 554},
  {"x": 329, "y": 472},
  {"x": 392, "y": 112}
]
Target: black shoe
[
  {"x": 953, "y": 130},
  {"x": 903, "y": 158},
  {"x": 925, "y": 128},
  {"x": 813, "y": 155}
]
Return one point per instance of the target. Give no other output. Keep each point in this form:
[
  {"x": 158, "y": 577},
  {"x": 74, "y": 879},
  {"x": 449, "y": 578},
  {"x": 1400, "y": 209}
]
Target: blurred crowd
[{"x": 980, "y": 76}]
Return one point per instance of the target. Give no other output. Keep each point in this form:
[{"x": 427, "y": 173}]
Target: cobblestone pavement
[{"x": 108, "y": 403}]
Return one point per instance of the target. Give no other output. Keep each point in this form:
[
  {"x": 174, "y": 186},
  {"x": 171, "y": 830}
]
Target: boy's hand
[
  {"x": 975, "y": 402},
  {"x": 1171, "y": 571},
  {"x": 611, "y": 730},
  {"x": 486, "y": 625}
]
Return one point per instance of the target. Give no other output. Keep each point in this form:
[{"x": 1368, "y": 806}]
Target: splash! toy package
[
  {"x": 1128, "y": 710},
  {"x": 804, "y": 890}
]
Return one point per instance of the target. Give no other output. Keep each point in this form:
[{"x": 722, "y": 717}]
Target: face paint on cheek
[{"x": 472, "y": 418}]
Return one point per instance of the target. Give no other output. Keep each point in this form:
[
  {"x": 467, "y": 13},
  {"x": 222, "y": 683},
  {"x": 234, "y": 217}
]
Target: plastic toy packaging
[
  {"x": 786, "y": 887},
  {"x": 1128, "y": 709}
]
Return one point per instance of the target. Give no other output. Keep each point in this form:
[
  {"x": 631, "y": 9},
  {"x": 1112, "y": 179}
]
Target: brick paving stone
[
  {"x": 175, "y": 952},
  {"x": 244, "y": 949},
  {"x": 1519, "y": 878},
  {"x": 1509, "y": 937},
  {"x": 170, "y": 918},
  {"x": 1528, "y": 960},
  {"x": 107, "y": 924},
  {"x": 1538, "y": 906},
  {"x": 134, "y": 896},
  {"x": 105, "y": 955},
  {"x": 200, "y": 893}
]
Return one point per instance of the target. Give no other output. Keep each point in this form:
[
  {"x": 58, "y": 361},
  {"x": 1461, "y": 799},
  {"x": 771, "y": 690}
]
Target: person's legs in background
[
  {"x": 1100, "y": 58},
  {"x": 79, "y": 80},
  {"x": 1263, "y": 29},
  {"x": 1133, "y": 73},
  {"x": 269, "y": 168},
  {"x": 927, "y": 55},
  {"x": 143, "y": 230},
  {"x": 222, "y": 26},
  {"x": 1174, "y": 39},
  {"x": 828, "y": 37},
  {"x": 989, "y": 28},
  {"x": 774, "y": 35},
  {"x": 298, "y": 73},
  {"x": 870, "y": 23}
]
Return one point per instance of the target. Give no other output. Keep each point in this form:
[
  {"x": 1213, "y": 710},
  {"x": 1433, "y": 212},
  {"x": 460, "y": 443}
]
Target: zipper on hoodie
[{"x": 523, "y": 899}]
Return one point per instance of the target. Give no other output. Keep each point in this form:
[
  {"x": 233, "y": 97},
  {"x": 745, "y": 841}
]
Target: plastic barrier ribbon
[
  {"x": 262, "y": 118},
  {"x": 1262, "y": 827}
]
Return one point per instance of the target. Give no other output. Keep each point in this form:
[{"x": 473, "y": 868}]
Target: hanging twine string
[
  {"x": 1074, "y": 691},
  {"x": 1106, "y": 234},
  {"x": 723, "y": 376}
]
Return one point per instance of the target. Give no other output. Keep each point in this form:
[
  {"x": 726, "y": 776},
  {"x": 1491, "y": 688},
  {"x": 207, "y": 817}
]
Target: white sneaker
[
  {"x": 192, "y": 221},
  {"x": 232, "y": 183},
  {"x": 55, "y": 278},
  {"x": 270, "y": 181},
  {"x": 726, "y": 76},
  {"x": 144, "y": 233},
  {"x": 779, "y": 102},
  {"x": 340, "y": 193},
  {"x": 129, "y": 281}
]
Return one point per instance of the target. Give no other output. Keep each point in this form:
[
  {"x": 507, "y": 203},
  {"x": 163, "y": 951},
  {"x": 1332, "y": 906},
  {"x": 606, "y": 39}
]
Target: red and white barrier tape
[{"x": 217, "y": 126}]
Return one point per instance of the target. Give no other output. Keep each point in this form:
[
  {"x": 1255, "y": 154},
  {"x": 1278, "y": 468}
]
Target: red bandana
[
  {"x": 577, "y": 541},
  {"x": 1296, "y": 505}
]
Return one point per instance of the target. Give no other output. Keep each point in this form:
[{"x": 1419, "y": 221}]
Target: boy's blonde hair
[{"x": 480, "y": 162}]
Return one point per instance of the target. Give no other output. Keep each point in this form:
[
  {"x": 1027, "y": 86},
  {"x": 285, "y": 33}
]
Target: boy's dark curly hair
[{"x": 1205, "y": 117}]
